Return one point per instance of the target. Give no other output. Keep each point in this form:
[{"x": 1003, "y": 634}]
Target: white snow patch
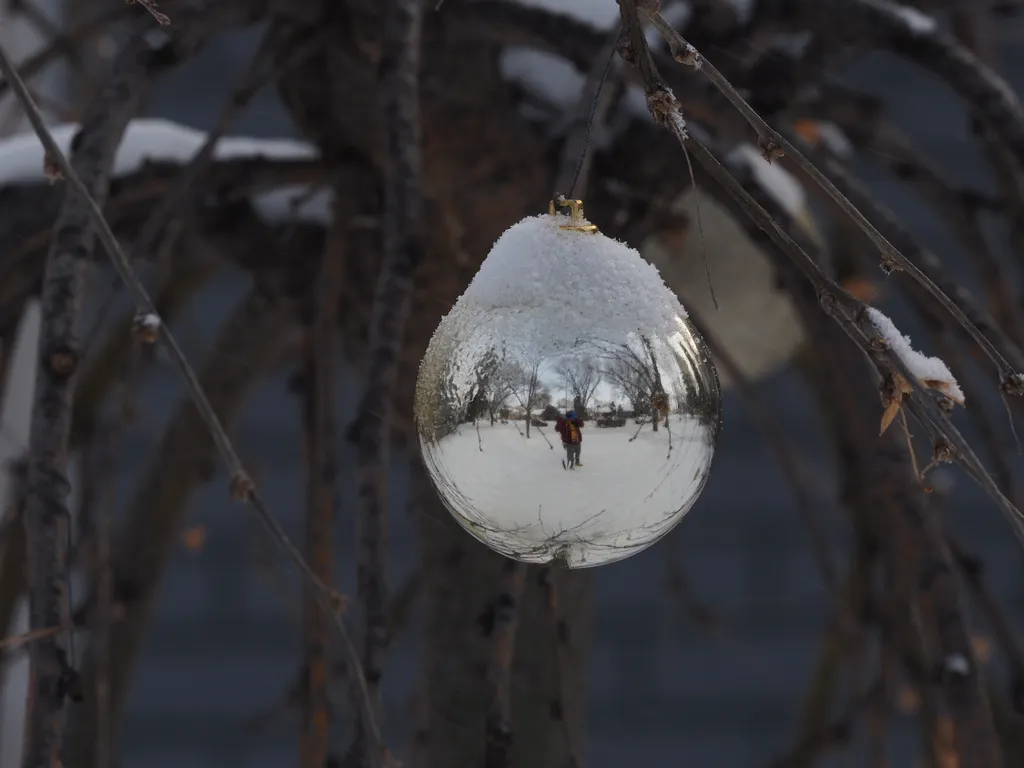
[
  {"x": 549, "y": 76},
  {"x": 156, "y": 140},
  {"x": 150, "y": 321},
  {"x": 601, "y": 14},
  {"x": 925, "y": 368},
  {"x": 771, "y": 177},
  {"x": 918, "y": 22},
  {"x": 554, "y": 286},
  {"x": 678, "y": 124},
  {"x": 698, "y": 60}
]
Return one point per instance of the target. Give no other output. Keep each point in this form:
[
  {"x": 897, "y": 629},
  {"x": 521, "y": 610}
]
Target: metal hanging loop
[{"x": 577, "y": 222}]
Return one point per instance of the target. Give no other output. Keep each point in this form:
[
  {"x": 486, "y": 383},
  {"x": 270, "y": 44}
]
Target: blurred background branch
[{"x": 256, "y": 183}]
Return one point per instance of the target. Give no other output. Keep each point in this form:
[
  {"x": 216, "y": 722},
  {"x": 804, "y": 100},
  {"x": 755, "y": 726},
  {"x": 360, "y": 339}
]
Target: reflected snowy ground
[{"x": 512, "y": 492}]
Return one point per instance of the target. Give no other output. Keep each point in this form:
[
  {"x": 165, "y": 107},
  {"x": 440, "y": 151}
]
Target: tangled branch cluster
[{"x": 397, "y": 150}]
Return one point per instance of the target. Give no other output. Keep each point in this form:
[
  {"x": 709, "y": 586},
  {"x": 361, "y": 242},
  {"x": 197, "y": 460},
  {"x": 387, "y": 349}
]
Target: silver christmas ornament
[{"x": 566, "y": 407}]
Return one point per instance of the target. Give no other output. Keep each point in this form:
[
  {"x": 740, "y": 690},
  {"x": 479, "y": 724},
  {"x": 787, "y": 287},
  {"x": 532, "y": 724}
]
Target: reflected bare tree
[
  {"x": 496, "y": 380},
  {"x": 637, "y": 375},
  {"x": 582, "y": 378},
  {"x": 526, "y": 386}
]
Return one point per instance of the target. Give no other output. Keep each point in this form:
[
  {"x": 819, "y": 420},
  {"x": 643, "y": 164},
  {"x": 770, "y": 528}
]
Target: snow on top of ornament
[{"x": 553, "y": 286}]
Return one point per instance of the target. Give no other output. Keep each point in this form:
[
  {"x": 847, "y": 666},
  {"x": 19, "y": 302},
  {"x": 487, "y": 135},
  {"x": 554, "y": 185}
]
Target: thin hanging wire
[{"x": 589, "y": 127}]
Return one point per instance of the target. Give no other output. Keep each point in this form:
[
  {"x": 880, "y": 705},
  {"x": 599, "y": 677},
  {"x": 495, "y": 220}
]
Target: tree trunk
[{"x": 461, "y": 577}]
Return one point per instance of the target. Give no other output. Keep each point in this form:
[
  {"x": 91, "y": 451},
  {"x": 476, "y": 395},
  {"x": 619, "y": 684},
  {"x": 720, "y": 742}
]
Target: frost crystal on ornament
[{"x": 566, "y": 407}]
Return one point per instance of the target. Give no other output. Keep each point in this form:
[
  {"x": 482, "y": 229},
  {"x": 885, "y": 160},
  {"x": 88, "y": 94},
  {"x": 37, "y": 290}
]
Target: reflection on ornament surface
[{"x": 561, "y": 320}]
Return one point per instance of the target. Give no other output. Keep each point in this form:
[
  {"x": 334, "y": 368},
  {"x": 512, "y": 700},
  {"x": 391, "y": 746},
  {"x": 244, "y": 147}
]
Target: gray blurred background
[{"x": 702, "y": 646}]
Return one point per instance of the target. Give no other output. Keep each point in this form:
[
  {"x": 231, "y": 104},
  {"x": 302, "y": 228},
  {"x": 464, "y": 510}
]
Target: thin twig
[
  {"x": 773, "y": 144},
  {"x": 242, "y": 486},
  {"x": 65, "y": 43},
  {"x": 861, "y": 118},
  {"x": 590, "y": 111},
  {"x": 150, "y": 5},
  {"x": 998, "y": 455},
  {"x": 992, "y": 335},
  {"x": 924, "y": 614},
  {"x": 836, "y": 645},
  {"x": 250, "y": 342},
  {"x": 191, "y": 174},
  {"x": 850, "y": 313},
  {"x": 785, "y": 454},
  {"x": 1000, "y": 624},
  {"x": 321, "y": 502},
  {"x": 47, "y": 518}
]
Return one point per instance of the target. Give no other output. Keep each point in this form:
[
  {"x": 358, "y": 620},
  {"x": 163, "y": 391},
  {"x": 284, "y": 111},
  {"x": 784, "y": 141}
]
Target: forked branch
[
  {"x": 773, "y": 144},
  {"x": 850, "y": 313},
  {"x": 242, "y": 485}
]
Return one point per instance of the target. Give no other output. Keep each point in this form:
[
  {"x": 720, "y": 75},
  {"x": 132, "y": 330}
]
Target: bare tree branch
[
  {"x": 850, "y": 313},
  {"x": 254, "y": 336},
  {"x": 47, "y": 518},
  {"x": 60, "y": 359},
  {"x": 501, "y": 627},
  {"x": 788, "y": 460},
  {"x": 151, "y": 6},
  {"x": 773, "y": 144},
  {"x": 399, "y": 75},
  {"x": 550, "y": 582},
  {"x": 321, "y": 497}
]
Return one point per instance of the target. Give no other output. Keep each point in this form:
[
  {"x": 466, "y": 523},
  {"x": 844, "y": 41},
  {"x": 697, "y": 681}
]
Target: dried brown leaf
[
  {"x": 893, "y": 392},
  {"x": 888, "y": 415}
]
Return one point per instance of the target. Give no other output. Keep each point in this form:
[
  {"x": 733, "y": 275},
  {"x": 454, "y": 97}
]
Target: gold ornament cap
[{"x": 578, "y": 222}]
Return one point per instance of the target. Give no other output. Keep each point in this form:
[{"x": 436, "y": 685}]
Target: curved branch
[
  {"x": 773, "y": 145},
  {"x": 403, "y": 250},
  {"x": 241, "y": 485},
  {"x": 47, "y": 519},
  {"x": 850, "y": 313},
  {"x": 995, "y": 102},
  {"x": 254, "y": 337}
]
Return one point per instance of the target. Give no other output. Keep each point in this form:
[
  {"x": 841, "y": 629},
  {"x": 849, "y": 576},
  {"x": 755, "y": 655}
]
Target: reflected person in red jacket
[{"x": 570, "y": 429}]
